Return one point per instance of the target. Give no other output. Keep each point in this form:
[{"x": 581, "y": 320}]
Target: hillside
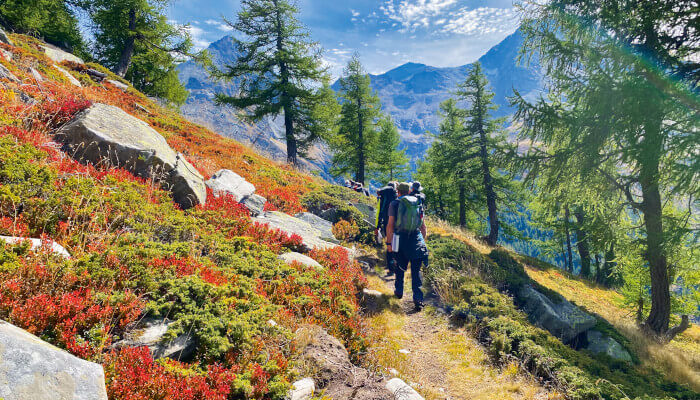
[{"x": 225, "y": 295}]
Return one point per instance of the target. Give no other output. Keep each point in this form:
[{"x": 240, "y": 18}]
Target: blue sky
[{"x": 386, "y": 33}]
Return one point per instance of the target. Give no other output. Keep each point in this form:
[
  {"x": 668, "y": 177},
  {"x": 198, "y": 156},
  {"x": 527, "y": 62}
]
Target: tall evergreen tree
[
  {"x": 356, "y": 139},
  {"x": 623, "y": 91},
  {"x": 388, "y": 161},
  {"x": 135, "y": 40},
  {"x": 280, "y": 69},
  {"x": 53, "y": 20}
]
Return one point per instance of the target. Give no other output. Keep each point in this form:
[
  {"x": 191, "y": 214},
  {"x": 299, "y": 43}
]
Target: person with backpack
[
  {"x": 406, "y": 234},
  {"x": 385, "y": 196}
]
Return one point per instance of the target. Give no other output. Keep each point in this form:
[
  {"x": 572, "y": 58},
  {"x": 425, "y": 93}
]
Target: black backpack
[{"x": 386, "y": 195}]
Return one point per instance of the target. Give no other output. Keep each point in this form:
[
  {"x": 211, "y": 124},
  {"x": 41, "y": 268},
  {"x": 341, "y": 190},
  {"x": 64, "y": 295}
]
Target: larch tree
[
  {"x": 280, "y": 69},
  {"x": 135, "y": 40},
  {"x": 623, "y": 80},
  {"x": 388, "y": 161},
  {"x": 357, "y": 135}
]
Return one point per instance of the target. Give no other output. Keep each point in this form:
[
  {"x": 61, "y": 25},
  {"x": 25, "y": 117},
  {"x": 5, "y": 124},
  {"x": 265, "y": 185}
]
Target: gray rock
[
  {"x": 255, "y": 204},
  {"x": 564, "y": 320},
  {"x": 368, "y": 212},
  {"x": 402, "y": 391},
  {"x": 597, "y": 343},
  {"x": 31, "y": 369},
  {"x": 58, "y": 55},
  {"x": 150, "y": 331},
  {"x": 6, "y": 54},
  {"x": 324, "y": 226},
  {"x": 225, "y": 181},
  {"x": 292, "y": 256},
  {"x": 373, "y": 301},
  {"x": 302, "y": 389},
  {"x": 68, "y": 76},
  {"x": 119, "y": 85},
  {"x": 37, "y": 243},
  {"x": 36, "y": 75},
  {"x": 310, "y": 236},
  {"x": 6, "y": 74},
  {"x": 95, "y": 75},
  {"x": 104, "y": 134},
  {"x": 4, "y": 38}
]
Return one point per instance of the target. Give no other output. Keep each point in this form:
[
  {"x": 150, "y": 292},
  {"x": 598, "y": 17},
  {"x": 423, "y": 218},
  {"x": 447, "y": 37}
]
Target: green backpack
[{"x": 408, "y": 216}]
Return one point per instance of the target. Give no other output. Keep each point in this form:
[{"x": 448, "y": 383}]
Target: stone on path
[
  {"x": 107, "y": 135},
  {"x": 402, "y": 391},
  {"x": 31, "y": 369}
]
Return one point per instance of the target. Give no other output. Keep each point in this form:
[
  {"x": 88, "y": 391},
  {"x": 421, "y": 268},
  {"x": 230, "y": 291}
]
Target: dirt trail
[{"x": 439, "y": 360}]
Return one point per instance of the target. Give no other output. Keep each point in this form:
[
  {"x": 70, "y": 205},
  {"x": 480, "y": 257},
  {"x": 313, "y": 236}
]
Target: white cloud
[
  {"x": 482, "y": 20},
  {"x": 354, "y": 13},
  {"x": 198, "y": 36},
  {"x": 219, "y": 25},
  {"x": 413, "y": 14}
]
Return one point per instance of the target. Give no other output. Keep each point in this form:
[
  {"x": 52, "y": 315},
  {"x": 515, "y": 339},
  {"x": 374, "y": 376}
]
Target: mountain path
[{"x": 439, "y": 360}]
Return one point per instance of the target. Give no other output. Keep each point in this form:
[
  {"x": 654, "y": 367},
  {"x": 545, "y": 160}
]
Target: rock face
[
  {"x": 6, "y": 74},
  {"x": 68, "y": 76},
  {"x": 302, "y": 389},
  {"x": 291, "y": 257},
  {"x": 368, "y": 212},
  {"x": 598, "y": 343},
  {"x": 255, "y": 204},
  {"x": 402, "y": 391},
  {"x": 37, "y": 244},
  {"x": 104, "y": 134},
  {"x": 225, "y": 181},
  {"x": 311, "y": 236},
  {"x": 150, "y": 332},
  {"x": 4, "y": 38},
  {"x": 564, "y": 320},
  {"x": 6, "y": 54},
  {"x": 31, "y": 369},
  {"x": 58, "y": 55},
  {"x": 36, "y": 75},
  {"x": 323, "y": 226},
  {"x": 334, "y": 373}
]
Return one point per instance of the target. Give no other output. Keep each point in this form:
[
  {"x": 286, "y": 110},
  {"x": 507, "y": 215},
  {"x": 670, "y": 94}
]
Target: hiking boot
[
  {"x": 398, "y": 296},
  {"x": 419, "y": 307}
]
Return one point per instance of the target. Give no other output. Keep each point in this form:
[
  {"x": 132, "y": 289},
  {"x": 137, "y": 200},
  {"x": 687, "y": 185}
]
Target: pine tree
[
  {"x": 135, "y": 40},
  {"x": 280, "y": 67},
  {"x": 357, "y": 135},
  {"x": 388, "y": 161},
  {"x": 624, "y": 93}
]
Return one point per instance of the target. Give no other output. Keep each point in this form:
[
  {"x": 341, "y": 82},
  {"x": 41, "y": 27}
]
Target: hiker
[
  {"x": 385, "y": 196},
  {"x": 405, "y": 237}
]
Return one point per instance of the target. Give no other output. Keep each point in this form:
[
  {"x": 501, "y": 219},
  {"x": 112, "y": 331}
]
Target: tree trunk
[
  {"x": 285, "y": 98},
  {"x": 582, "y": 244},
  {"x": 570, "y": 262},
  {"x": 128, "y": 50},
  {"x": 462, "y": 205},
  {"x": 494, "y": 225},
  {"x": 609, "y": 266},
  {"x": 360, "y": 173}
]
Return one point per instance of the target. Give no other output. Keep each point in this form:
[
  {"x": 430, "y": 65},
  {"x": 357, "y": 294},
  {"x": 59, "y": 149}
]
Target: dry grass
[
  {"x": 443, "y": 362},
  {"x": 446, "y": 229}
]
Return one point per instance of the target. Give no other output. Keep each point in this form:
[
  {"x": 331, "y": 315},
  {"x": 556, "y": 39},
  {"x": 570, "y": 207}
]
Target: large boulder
[
  {"x": 600, "y": 344},
  {"x": 332, "y": 370},
  {"x": 36, "y": 244},
  {"x": 561, "y": 318},
  {"x": 310, "y": 236},
  {"x": 255, "y": 204},
  {"x": 292, "y": 257},
  {"x": 150, "y": 332},
  {"x": 58, "y": 56},
  {"x": 4, "y": 38},
  {"x": 324, "y": 226},
  {"x": 31, "y": 369},
  {"x": 225, "y": 181},
  {"x": 105, "y": 134}
]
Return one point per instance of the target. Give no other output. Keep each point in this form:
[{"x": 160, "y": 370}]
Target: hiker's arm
[
  {"x": 390, "y": 232},
  {"x": 424, "y": 230}
]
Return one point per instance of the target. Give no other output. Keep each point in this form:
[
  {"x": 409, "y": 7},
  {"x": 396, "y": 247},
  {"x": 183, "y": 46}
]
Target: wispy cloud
[
  {"x": 413, "y": 14},
  {"x": 219, "y": 25},
  {"x": 198, "y": 36},
  {"x": 482, "y": 20}
]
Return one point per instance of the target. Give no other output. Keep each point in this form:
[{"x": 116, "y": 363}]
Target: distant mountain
[{"x": 410, "y": 93}]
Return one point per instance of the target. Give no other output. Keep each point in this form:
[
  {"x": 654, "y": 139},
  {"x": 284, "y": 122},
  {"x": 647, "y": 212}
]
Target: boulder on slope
[
  {"x": 68, "y": 76},
  {"x": 37, "y": 244},
  {"x": 225, "y": 181},
  {"x": 562, "y": 319},
  {"x": 150, "y": 331},
  {"x": 255, "y": 204},
  {"x": 105, "y": 134},
  {"x": 7, "y": 74},
  {"x": 598, "y": 343},
  {"x": 292, "y": 256},
  {"x": 58, "y": 56},
  {"x": 31, "y": 369},
  {"x": 310, "y": 236},
  {"x": 4, "y": 38},
  {"x": 324, "y": 226}
]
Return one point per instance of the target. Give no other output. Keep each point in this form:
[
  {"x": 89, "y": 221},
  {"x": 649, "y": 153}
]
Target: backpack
[
  {"x": 386, "y": 196},
  {"x": 408, "y": 215}
]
